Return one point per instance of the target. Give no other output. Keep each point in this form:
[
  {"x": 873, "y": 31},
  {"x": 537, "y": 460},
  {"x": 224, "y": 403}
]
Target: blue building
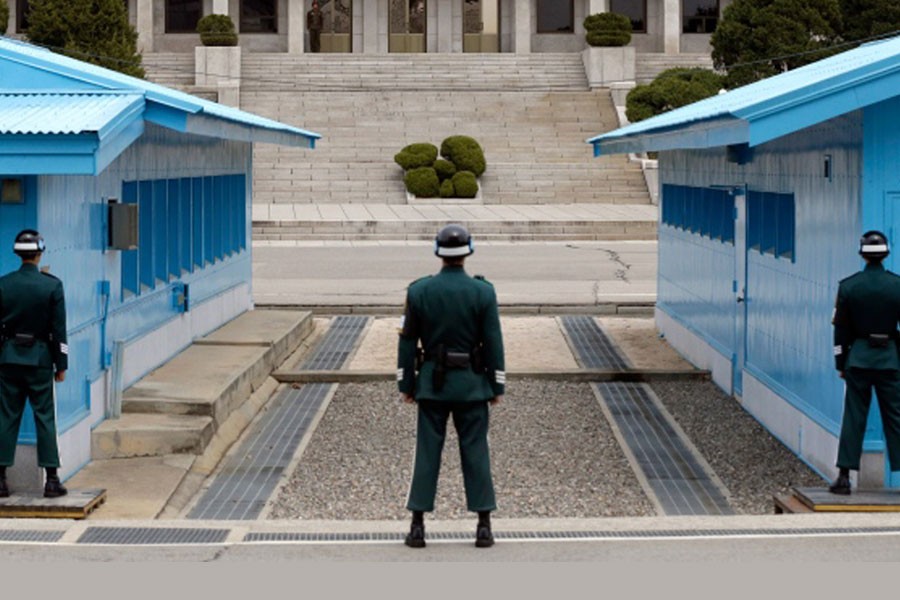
[
  {"x": 77, "y": 144},
  {"x": 764, "y": 192}
]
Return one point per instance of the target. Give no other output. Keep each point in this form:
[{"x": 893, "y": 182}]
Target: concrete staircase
[
  {"x": 648, "y": 66},
  {"x": 179, "y": 407}
]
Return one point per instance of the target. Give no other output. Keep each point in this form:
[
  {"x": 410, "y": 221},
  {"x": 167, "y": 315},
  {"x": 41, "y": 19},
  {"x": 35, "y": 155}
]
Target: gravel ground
[
  {"x": 751, "y": 463},
  {"x": 553, "y": 455}
]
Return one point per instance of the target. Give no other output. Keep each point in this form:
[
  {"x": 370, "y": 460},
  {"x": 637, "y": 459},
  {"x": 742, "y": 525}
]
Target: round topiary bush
[
  {"x": 447, "y": 190},
  {"x": 422, "y": 182},
  {"x": 464, "y": 152},
  {"x": 445, "y": 169},
  {"x": 607, "y": 29},
  {"x": 217, "y": 30},
  {"x": 4, "y": 17},
  {"x": 465, "y": 184},
  {"x": 416, "y": 155},
  {"x": 671, "y": 89}
]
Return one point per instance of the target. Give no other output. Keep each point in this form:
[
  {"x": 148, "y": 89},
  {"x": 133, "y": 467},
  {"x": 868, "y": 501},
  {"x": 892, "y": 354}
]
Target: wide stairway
[{"x": 531, "y": 113}]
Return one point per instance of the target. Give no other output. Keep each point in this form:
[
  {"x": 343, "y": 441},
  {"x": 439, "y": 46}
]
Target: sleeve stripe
[
  {"x": 399, "y": 374},
  {"x": 838, "y": 350},
  {"x": 64, "y": 348}
]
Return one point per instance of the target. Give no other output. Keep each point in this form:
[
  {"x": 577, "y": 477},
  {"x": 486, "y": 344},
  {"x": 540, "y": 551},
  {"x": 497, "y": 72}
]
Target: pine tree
[
  {"x": 4, "y": 17},
  {"x": 95, "y": 31},
  {"x": 756, "y": 39},
  {"x": 864, "y": 19}
]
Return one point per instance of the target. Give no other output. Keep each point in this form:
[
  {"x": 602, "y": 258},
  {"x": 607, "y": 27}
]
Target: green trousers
[
  {"x": 471, "y": 422},
  {"x": 18, "y": 383},
  {"x": 858, "y": 397}
]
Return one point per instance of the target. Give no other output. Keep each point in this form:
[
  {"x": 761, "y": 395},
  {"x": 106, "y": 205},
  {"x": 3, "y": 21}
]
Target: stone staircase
[
  {"x": 648, "y": 66},
  {"x": 179, "y": 407}
]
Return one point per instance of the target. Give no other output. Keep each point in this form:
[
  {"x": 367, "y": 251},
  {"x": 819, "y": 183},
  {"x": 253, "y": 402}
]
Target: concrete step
[{"x": 179, "y": 406}]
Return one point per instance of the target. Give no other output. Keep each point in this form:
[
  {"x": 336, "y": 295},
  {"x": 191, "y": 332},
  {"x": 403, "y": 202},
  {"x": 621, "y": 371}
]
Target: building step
[{"x": 179, "y": 406}]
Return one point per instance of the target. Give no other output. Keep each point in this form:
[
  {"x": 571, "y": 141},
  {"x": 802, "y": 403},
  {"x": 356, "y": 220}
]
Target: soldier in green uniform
[
  {"x": 33, "y": 352},
  {"x": 460, "y": 372},
  {"x": 866, "y": 314}
]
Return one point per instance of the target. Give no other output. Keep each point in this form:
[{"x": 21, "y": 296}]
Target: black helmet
[
  {"x": 873, "y": 244},
  {"x": 453, "y": 241},
  {"x": 28, "y": 242}
]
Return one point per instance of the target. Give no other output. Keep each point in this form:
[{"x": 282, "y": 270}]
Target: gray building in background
[{"x": 437, "y": 26}]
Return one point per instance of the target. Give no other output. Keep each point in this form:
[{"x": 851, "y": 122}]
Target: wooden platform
[
  {"x": 802, "y": 500},
  {"x": 77, "y": 504}
]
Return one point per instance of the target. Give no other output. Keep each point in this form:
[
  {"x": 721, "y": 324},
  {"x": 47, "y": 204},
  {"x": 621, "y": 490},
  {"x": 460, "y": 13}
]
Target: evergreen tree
[
  {"x": 95, "y": 31},
  {"x": 4, "y": 17},
  {"x": 756, "y": 39},
  {"x": 864, "y": 19},
  {"x": 672, "y": 88}
]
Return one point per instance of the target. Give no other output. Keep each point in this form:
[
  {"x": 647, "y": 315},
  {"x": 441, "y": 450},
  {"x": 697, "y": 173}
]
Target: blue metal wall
[
  {"x": 71, "y": 216},
  {"x": 789, "y": 302}
]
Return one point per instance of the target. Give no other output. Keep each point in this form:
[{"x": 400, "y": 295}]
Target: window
[
  {"x": 182, "y": 15},
  {"x": 771, "y": 224},
  {"x": 636, "y": 10},
  {"x": 184, "y": 224},
  {"x": 707, "y": 212},
  {"x": 259, "y": 16},
  {"x": 555, "y": 16},
  {"x": 22, "y": 7},
  {"x": 699, "y": 16}
]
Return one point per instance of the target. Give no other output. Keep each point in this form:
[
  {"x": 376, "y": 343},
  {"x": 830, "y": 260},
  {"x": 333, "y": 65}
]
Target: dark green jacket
[
  {"x": 867, "y": 303},
  {"x": 460, "y": 312},
  {"x": 32, "y": 302}
]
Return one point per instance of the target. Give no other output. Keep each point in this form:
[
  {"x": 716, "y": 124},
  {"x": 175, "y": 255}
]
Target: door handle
[{"x": 740, "y": 299}]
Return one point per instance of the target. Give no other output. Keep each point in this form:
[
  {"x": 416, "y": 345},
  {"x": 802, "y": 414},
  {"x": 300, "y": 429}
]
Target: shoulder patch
[
  {"x": 50, "y": 275},
  {"x": 482, "y": 279}
]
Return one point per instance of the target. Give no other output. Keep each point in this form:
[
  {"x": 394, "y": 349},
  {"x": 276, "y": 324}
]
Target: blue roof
[
  {"x": 63, "y": 114},
  {"x": 771, "y": 108},
  {"x": 26, "y": 68}
]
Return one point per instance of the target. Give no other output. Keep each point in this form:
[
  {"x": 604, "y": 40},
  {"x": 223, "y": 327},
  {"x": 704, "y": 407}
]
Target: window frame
[
  {"x": 554, "y": 31},
  {"x": 169, "y": 28},
  {"x": 260, "y": 31},
  {"x": 644, "y": 12},
  {"x": 703, "y": 18}
]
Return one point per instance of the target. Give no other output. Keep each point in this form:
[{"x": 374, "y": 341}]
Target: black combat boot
[
  {"x": 4, "y": 490},
  {"x": 841, "y": 485},
  {"x": 483, "y": 536},
  {"x": 416, "y": 536},
  {"x": 54, "y": 487}
]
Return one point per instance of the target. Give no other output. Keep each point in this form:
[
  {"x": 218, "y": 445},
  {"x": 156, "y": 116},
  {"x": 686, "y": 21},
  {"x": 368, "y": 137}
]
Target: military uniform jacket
[
  {"x": 867, "y": 303},
  {"x": 32, "y": 302},
  {"x": 460, "y": 312}
]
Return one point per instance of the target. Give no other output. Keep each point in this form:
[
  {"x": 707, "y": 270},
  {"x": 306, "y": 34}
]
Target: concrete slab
[
  {"x": 134, "y": 435},
  {"x": 136, "y": 488}
]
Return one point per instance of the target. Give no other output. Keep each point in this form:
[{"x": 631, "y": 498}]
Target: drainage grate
[
  {"x": 336, "y": 344},
  {"x": 592, "y": 347},
  {"x": 249, "y": 476},
  {"x": 152, "y": 535},
  {"x": 262, "y": 537},
  {"x": 26, "y": 535},
  {"x": 678, "y": 480}
]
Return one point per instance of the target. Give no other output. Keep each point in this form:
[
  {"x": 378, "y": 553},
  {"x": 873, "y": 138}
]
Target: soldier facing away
[
  {"x": 33, "y": 352},
  {"x": 866, "y": 314},
  {"x": 460, "y": 373}
]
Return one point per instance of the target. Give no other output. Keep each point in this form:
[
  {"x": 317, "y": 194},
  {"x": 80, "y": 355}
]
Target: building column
[
  {"x": 522, "y": 27},
  {"x": 296, "y": 27},
  {"x": 144, "y": 25},
  {"x": 445, "y": 26},
  {"x": 597, "y": 6},
  {"x": 220, "y": 7},
  {"x": 672, "y": 26},
  {"x": 370, "y": 26}
]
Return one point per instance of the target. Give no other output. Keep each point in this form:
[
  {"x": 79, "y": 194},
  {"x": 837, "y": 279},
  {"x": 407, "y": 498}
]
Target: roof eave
[{"x": 700, "y": 134}]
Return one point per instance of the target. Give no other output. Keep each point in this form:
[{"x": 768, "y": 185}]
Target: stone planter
[
  {"x": 219, "y": 67},
  {"x": 609, "y": 67}
]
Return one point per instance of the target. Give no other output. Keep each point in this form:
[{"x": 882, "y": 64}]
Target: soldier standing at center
[
  {"x": 461, "y": 372},
  {"x": 866, "y": 314},
  {"x": 314, "y": 23},
  {"x": 32, "y": 347}
]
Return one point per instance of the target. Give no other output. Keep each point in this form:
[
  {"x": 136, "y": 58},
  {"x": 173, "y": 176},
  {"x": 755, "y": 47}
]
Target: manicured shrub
[
  {"x": 464, "y": 184},
  {"x": 447, "y": 190},
  {"x": 217, "y": 30},
  {"x": 417, "y": 155},
  {"x": 445, "y": 169},
  {"x": 422, "y": 182},
  {"x": 464, "y": 152},
  {"x": 672, "y": 88},
  {"x": 607, "y": 29}
]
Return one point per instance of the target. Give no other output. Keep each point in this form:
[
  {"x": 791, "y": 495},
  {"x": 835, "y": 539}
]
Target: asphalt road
[{"x": 563, "y": 274}]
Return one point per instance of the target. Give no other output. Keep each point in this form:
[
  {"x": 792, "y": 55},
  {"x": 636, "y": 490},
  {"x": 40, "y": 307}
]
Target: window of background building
[
  {"x": 259, "y": 16},
  {"x": 21, "y": 15},
  {"x": 636, "y": 10},
  {"x": 182, "y": 15},
  {"x": 699, "y": 16},
  {"x": 555, "y": 16}
]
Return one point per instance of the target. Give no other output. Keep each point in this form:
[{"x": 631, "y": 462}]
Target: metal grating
[
  {"x": 336, "y": 344},
  {"x": 249, "y": 476},
  {"x": 592, "y": 347},
  {"x": 679, "y": 481},
  {"x": 152, "y": 535},
  {"x": 262, "y": 537},
  {"x": 27, "y": 535}
]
